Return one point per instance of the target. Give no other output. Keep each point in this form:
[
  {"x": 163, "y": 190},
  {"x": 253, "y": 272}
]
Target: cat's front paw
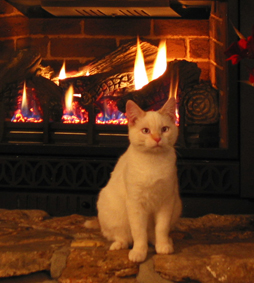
[
  {"x": 117, "y": 245},
  {"x": 136, "y": 255},
  {"x": 164, "y": 248}
]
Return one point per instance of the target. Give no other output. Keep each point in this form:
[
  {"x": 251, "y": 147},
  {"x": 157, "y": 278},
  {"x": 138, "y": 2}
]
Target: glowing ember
[
  {"x": 27, "y": 110},
  {"x": 110, "y": 114},
  {"x": 140, "y": 76},
  {"x": 73, "y": 112},
  {"x": 160, "y": 64}
]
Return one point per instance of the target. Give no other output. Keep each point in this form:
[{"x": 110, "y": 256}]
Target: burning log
[
  {"x": 154, "y": 94},
  {"x": 21, "y": 66},
  {"x": 122, "y": 59},
  {"x": 111, "y": 75},
  {"x": 25, "y": 65},
  {"x": 50, "y": 97}
]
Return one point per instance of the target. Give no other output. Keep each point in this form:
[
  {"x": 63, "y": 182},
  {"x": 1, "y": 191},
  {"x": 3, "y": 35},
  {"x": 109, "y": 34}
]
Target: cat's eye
[
  {"x": 145, "y": 131},
  {"x": 164, "y": 129}
]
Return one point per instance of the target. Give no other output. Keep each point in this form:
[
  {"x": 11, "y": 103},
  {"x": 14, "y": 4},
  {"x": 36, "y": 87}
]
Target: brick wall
[{"x": 79, "y": 40}]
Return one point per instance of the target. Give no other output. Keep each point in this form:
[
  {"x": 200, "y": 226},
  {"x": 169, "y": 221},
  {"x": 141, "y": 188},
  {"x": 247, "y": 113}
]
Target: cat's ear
[
  {"x": 133, "y": 112},
  {"x": 169, "y": 108}
]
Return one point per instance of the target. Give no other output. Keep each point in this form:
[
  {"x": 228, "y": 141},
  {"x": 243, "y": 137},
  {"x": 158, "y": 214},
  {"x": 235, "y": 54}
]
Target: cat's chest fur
[
  {"x": 149, "y": 178},
  {"x": 149, "y": 168}
]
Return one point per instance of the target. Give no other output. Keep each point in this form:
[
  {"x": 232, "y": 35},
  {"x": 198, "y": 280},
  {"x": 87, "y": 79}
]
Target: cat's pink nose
[{"x": 156, "y": 138}]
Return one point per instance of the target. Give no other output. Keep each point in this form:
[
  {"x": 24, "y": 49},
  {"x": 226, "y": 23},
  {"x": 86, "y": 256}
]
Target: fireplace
[{"x": 60, "y": 167}]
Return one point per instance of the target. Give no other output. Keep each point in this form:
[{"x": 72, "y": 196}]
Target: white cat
[{"x": 141, "y": 201}]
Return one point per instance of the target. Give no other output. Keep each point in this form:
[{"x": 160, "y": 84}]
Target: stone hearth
[{"x": 35, "y": 247}]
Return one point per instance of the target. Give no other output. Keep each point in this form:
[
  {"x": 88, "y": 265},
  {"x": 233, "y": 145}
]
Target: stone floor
[{"x": 37, "y": 248}]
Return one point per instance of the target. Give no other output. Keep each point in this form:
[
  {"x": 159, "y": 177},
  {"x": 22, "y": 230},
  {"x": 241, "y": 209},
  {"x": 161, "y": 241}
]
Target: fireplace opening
[
  {"x": 60, "y": 138},
  {"x": 96, "y": 95}
]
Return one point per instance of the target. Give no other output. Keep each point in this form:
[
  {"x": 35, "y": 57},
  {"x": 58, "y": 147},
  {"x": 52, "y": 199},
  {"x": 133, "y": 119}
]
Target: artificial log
[
  {"x": 122, "y": 59},
  {"x": 201, "y": 104},
  {"x": 49, "y": 95},
  {"x": 154, "y": 94},
  {"x": 22, "y": 65},
  {"x": 111, "y": 75}
]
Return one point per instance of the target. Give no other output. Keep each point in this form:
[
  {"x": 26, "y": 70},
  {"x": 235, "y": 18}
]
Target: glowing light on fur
[
  {"x": 160, "y": 64},
  {"x": 140, "y": 76}
]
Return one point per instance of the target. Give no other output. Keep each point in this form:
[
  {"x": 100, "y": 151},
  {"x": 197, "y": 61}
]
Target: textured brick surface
[
  {"x": 181, "y": 27},
  {"x": 6, "y": 47},
  {"x": 176, "y": 48},
  {"x": 6, "y": 8},
  {"x": 41, "y": 44},
  {"x": 199, "y": 48},
  {"x": 112, "y": 27},
  {"x": 14, "y": 26},
  {"x": 205, "y": 70},
  {"x": 55, "y": 26},
  {"x": 217, "y": 29},
  {"x": 76, "y": 47}
]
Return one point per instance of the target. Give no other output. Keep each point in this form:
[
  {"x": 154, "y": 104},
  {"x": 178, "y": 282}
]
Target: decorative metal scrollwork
[
  {"x": 208, "y": 178},
  {"x": 201, "y": 104}
]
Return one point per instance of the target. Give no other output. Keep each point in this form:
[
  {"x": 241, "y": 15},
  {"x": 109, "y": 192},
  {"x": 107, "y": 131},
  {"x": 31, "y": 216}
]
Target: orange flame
[
  {"x": 173, "y": 92},
  {"x": 62, "y": 74},
  {"x": 160, "y": 64},
  {"x": 24, "y": 105},
  {"x": 69, "y": 99},
  {"x": 140, "y": 76}
]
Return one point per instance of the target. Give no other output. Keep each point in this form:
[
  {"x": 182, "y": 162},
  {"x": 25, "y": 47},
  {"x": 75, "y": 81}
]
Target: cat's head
[{"x": 152, "y": 131}]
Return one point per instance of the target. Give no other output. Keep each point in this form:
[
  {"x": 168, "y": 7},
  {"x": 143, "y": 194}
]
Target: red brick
[
  {"x": 81, "y": 47},
  {"x": 39, "y": 44},
  {"x": 6, "y": 8},
  {"x": 55, "y": 26},
  {"x": 205, "y": 70},
  {"x": 14, "y": 26},
  {"x": 217, "y": 54},
  {"x": 200, "y": 48},
  {"x": 181, "y": 27},
  {"x": 6, "y": 47},
  {"x": 176, "y": 48},
  {"x": 218, "y": 29},
  {"x": 119, "y": 26}
]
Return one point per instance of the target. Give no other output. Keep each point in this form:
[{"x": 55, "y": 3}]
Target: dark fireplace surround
[{"x": 60, "y": 168}]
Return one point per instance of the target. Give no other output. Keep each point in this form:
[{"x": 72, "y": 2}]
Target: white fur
[{"x": 141, "y": 201}]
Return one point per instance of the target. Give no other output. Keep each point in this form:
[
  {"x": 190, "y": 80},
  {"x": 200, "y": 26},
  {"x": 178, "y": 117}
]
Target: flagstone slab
[{"x": 208, "y": 249}]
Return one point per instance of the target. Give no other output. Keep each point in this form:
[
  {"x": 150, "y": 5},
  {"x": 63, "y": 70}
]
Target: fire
[
  {"x": 69, "y": 99},
  {"x": 73, "y": 112},
  {"x": 110, "y": 114},
  {"x": 140, "y": 75},
  {"x": 62, "y": 74},
  {"x": 173, "y": 92},
  {"x": 24, "y": 105},
  {"x": 160, "y": 64},
  {"x": 27, "y": 112}
]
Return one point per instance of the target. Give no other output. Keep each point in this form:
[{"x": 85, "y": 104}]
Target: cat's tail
[{"x": 92, "y": 224}]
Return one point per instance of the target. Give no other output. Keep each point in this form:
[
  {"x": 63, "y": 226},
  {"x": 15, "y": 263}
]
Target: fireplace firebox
[{"x": 57, "y": 159}]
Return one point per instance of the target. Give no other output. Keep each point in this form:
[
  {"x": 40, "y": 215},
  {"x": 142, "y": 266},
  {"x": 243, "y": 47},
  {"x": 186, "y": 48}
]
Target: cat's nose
[{"x": 156, "y": 138}]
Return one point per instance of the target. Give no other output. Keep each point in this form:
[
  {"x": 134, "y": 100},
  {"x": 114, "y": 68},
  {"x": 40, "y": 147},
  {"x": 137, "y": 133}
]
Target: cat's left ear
[
  {"x": 133, "y": 112},
  {"x": 169, "y": 108}
]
